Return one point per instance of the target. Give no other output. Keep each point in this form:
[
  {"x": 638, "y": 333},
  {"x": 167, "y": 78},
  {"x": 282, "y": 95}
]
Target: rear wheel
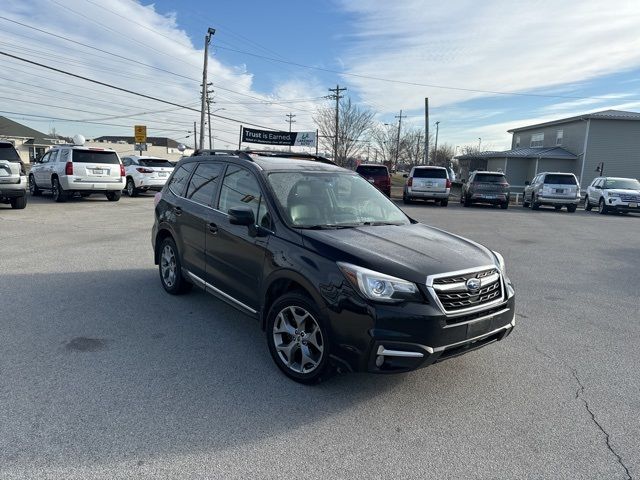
[
  {"x": 113, "y": 196},
  {"x": 297, "y": 338},
  {"x": 444, "y": 203},
  {"x": 466, "y": 202},
  {"x": 57, "y": 192},
  {"x": 19, "y": 203},
  {"x": 170, "y": 268},
  {"x": 558, "y": 207},
  {"x": 405, "y": 199},
  {"x": 504, "y": 205},
  {"x": 571, "y": 208},
  {"x": 587, "y": 204},
  {"x": 131, "y": 188},
  {"x": 33, "y": 188},
  {"x": 602, "y": 208}
]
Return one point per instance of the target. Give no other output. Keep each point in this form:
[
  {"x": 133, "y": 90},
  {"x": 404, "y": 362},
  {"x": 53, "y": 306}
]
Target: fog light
[{"x": 379, "y": 361}]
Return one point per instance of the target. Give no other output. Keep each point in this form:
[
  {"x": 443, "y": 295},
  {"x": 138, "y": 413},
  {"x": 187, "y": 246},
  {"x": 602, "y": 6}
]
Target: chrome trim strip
[
  {"x": 462, "y": 286},
  {"x": 213, "y": 289},
  {"x": 398, "y": 353},
  {"x": 474, "y": 339}
]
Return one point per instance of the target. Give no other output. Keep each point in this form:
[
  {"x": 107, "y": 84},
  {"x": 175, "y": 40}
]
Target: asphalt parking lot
[{"x": 103, "y": 375}]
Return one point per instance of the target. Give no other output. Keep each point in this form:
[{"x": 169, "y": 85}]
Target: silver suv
[
  {"x": 69, "y": 169},
  {"x": 613, "y": 194},
  {"x": 557, "y": 189},
  {"x": 13, "y": 181}
]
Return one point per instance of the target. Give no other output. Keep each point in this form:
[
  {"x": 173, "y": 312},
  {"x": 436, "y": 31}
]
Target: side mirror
[
  {"x": 405, "y": 175},
  {"x": 598, "y": 187},
  {"x": 241, "y": 216},
  {"x": 527, "y": 183}
]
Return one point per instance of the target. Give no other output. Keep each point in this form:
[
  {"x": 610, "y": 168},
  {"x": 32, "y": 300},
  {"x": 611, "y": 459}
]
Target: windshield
[
  {"x": 429, "y": 173},
  {"x": 489, "y": 178},
  {"x": 155, "y": 162},
  {"x": 332, "y": 200},
  {"x": 95, "y": 156},
  {"x": 372, "y": 171},
  {"x": 560, "y": 180},
  {"x": 8, "y": 152},
  {"x": 622, "y": 183}
]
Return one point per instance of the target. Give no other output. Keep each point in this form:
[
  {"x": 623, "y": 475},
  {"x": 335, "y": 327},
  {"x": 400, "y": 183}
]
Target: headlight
[
  {"x": 500, "y": 262},
  {"x": 378, "y": 286},
  {"x": 613, "y": 194}
]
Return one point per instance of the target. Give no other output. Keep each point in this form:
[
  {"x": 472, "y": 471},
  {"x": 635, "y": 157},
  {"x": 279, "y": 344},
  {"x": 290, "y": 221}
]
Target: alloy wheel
[
  {"x": 168, "y": 266},
  {"x": 298, "y": 339}
]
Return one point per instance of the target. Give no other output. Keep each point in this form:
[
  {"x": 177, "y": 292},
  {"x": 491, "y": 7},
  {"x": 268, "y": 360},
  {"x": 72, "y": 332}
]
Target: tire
[
  {"x": 571, "y": 208},
  {"x": 534, "y": 205},
  {"x": 558, "y": 207},
  {"x": 57, "y": 192},
  {"x": 602, "y": 208},
  {"x": 170, "y": 269},
  {"x": 525, "y": 204},
  {"x": 444, "y": 203},
  {"x": 33, "y": 188},
  {"x": 113, "y": 196},
  {"x": 504, "y": 205},
  {"x": 466, "y": 202},
  {"x": 289, "y": 317},
  {"x": 131, "y": 188},
  {"x": 18, "y": 203},
  {"x": 587, "y": 204},
  {"x": 406, "y": 200}
]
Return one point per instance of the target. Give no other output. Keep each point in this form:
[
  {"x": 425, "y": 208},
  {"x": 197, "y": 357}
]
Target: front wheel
[
  {"x": 587, "y": 204},
  {"x": 297, "y": 338},
  {"x": 602, "y": 208},
  {"x": 534, "y": 205},
  {"x": 525, "y": 204},
  {"x": 131, "y": 188},
  {"x": 571, "y": 208},
  {"x": 113, "y": 196},
  {"x": 18, "y": 203},
  {"x": 170, "y": 268},
  {"x": 33, "y": 188}
]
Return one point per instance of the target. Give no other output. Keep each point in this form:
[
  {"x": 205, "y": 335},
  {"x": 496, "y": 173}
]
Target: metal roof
[
  {"x": 524, "y": 152},
  {"x": 603, "y": 115}
]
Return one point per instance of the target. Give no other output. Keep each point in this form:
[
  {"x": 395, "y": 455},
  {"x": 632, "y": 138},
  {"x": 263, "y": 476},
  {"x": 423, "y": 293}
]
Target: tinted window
[
  {"x": 180, "y": 177},
  {"x": 155, "y": 162},
  {"x": 202, "y": 185},
  {"x": 622, "y": 183},
  {"x": 95, "y": 156},
  {"x": 556, "y": 179},
  {"x": 8, "y": 152},
  {"x": 489, "y": 178},
  {"x": 241, "y": 189},
  {"x": 369, "y": 171},
  {"x": 429, "y": 173}
]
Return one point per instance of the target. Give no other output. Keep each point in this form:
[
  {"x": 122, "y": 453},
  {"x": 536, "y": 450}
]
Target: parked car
[
  {"x": 68, "y": 169},
  {"x": 378, "y": 175},
  {"x": 145, "y": 173},
  {"x": 427, "y": 183},
  {"x": 552, "y": 188},
  {"x": 613, "y": 194},
  {"x": 333, "y": 271},
  {"x": 486, "y": 187},
  {"x": 13, "y": 180}
]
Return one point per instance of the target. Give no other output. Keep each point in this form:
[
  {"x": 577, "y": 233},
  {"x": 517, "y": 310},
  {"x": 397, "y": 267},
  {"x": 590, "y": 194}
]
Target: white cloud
[{"x": 498, "y": 46}]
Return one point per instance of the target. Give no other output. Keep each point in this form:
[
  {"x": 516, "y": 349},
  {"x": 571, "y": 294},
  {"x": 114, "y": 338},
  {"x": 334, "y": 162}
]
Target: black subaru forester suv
[{"x": 336, "y": 274}]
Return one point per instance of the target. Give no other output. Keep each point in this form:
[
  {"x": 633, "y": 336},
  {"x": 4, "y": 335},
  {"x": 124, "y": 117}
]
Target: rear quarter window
[
  {"x": 556, "y": 179},
  {"x": 430, "y": 173}
]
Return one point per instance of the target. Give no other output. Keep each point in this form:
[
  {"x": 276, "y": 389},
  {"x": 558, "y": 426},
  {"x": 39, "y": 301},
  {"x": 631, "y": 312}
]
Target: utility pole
[
  {"x": 435, "y": 148},
  {"x": 426, "y": 130},
  {"x": 209, "y": 101},
  {"x": 290, "y": 120},
  {"x": 195, "y": 136},
  {"x": 207, "y": 40},
  {"x": 399, "y": 117},
  {"x": 337, "y": 96},
  {"x": 479, "y": 143},
  {"x": 418, "y": 148}
]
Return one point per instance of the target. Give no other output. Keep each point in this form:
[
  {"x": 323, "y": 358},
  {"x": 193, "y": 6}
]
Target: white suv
[
  {"x": 69, "y": 169},
  {"x": 427, "y": 183},
  {"x": 145, "y": 173},
  {"x": 613, "y": 194},
  {"x": 13, "y": 181}
]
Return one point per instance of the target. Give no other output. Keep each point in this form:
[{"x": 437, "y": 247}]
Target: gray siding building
[{"x": 577, "y": 144}]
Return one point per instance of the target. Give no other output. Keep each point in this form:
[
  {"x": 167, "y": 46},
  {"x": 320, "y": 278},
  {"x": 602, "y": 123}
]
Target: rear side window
[
  {"x": 429, "y": 173},
  {"x": 202, "y": 186},
  {"x": 155, "y": 162},
  {"x": 555, "y": 179},
  {"x": 8, "y": 152},
  {"x": 179, "y": 179},
  {"x": 373, "y": 171},
  {"x": 95, "y": 156},
  {"x": 489, "y": 178}
]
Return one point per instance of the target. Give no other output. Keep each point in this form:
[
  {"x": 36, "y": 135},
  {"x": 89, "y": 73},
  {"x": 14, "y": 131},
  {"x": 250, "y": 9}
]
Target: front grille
[
  {"x": 455, "y": 296},
  {"x": 630, "y": 198}
]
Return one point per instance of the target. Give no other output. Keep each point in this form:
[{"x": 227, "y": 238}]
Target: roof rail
[
  {"x": 235, "y": 153},
  {"x": 284, "y": 154}
]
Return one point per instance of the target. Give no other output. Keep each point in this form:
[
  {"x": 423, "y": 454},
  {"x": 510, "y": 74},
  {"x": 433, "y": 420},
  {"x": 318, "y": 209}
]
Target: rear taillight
[
  {"x": 410, "y": 182},
  {"x": 68, "y": 168},
  {"x": 448, "y": 185},
  {"x": 122, "y": 170},
  {"x": 157, "y": 198},
  {"x": 144, "y": 170}
]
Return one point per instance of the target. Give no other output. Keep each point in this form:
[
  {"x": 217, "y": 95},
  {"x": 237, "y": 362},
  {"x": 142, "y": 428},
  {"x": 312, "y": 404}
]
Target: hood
[
  {"x": 411, "y": 252},
  {"x": 623, "y": 191}
]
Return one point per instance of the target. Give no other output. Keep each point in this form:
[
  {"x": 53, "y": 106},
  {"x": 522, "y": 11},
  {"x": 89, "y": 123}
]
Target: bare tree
[
  {"x": 354, "y": 124},
  {"x": 443, "y": 156}
]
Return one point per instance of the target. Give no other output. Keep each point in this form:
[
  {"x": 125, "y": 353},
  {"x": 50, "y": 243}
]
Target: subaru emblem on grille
[{"x": 473, "y": 285}]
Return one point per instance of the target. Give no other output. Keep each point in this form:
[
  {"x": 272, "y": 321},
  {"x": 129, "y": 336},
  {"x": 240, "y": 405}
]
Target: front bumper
[{"x": 618, "y": 205}]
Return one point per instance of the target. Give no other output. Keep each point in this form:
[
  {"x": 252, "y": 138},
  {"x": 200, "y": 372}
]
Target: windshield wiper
[
  {"x": 325, "y": 227},
  {"x": 375, "y": 224}
]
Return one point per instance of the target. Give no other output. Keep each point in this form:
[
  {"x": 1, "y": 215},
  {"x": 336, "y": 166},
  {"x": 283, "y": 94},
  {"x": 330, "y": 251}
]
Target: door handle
[
  {"x": 213, "y": 228},
  {"x": 177, "y": 211}
]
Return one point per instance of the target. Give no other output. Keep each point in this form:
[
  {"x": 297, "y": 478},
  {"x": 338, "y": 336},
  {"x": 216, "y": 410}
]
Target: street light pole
[
  {"x": 435, "y": 148},
  {"x": 207, "y": 40},
  {"x": 479, "y": 143}
]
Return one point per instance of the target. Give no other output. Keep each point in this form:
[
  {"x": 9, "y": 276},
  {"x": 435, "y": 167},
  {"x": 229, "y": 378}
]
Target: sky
[{"x": 486, "y": 67}]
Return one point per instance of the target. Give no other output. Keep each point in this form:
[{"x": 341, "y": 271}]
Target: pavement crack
[{"x": 580, "y": 396}]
